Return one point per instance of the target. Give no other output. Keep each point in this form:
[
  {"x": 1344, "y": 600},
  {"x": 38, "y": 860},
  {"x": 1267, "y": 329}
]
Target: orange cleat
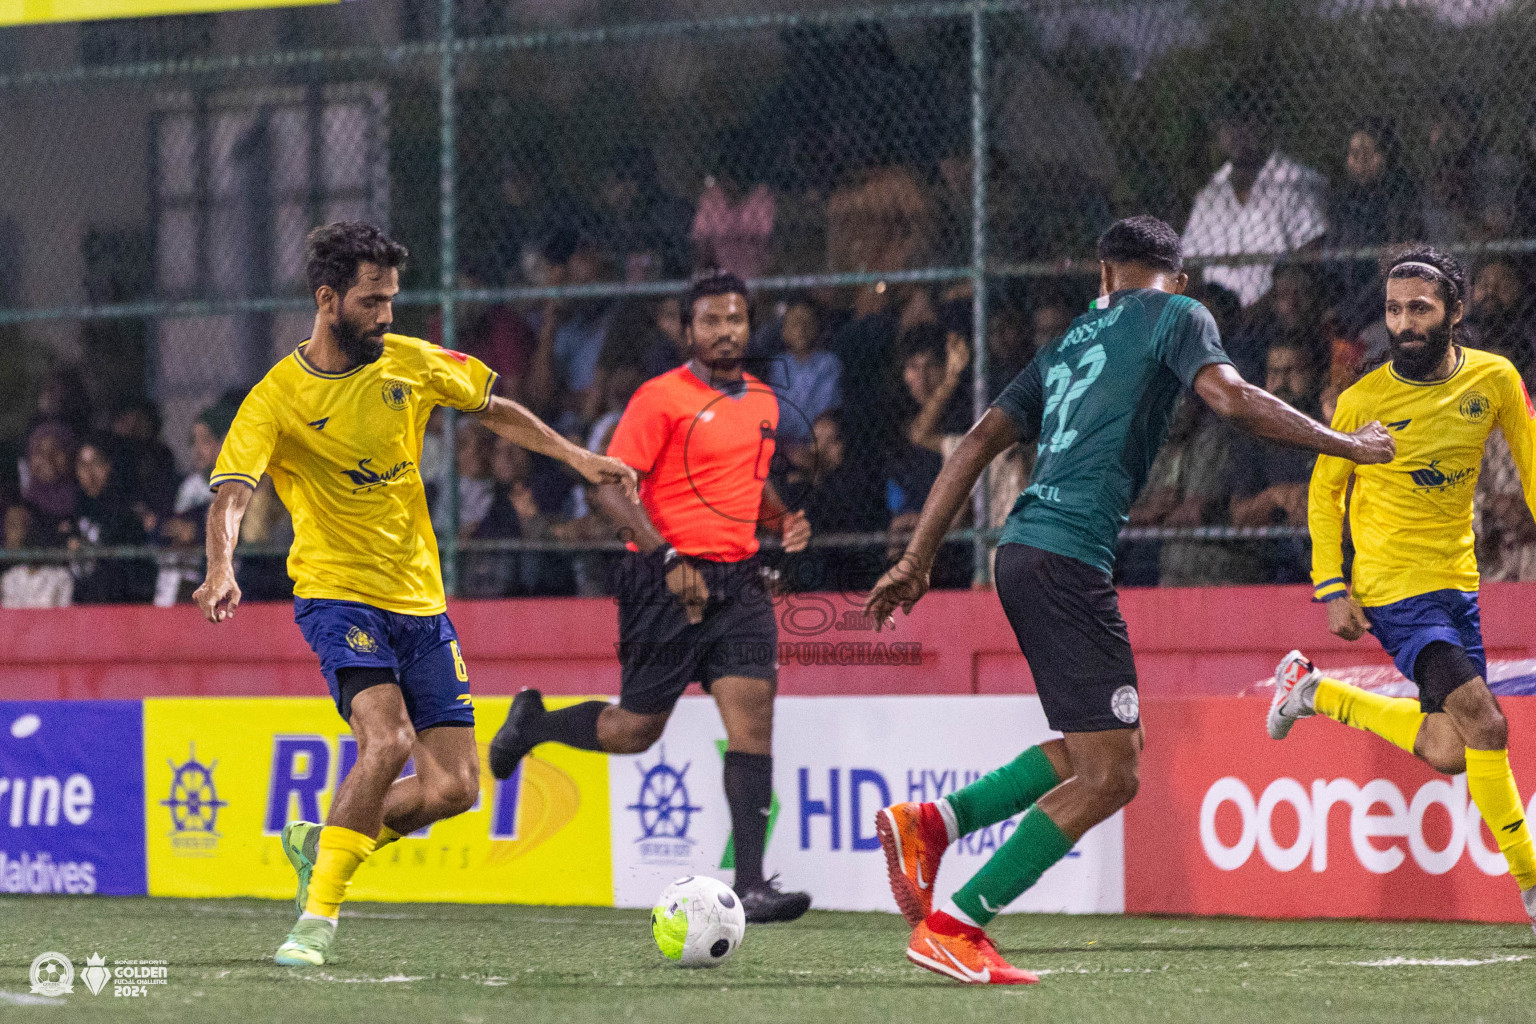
[
  {"x": 962, "y": 952},
  {"x": 914, "y": 838}
]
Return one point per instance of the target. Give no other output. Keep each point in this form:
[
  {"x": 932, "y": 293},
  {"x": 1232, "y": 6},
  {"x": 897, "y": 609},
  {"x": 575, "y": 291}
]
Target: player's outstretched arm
[
  {"x": 219, "y": 595},
  {"x": 1263, "y": 415},
  {"x": 907, "y": 580},
  {"x": 515, "y": 423}
]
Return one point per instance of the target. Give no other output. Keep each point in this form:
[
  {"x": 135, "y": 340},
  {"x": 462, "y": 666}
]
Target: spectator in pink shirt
[{"x": 733, "y": 227}]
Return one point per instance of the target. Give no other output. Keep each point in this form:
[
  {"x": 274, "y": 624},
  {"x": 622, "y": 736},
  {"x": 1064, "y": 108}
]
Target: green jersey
[{"x": 1099, "y": 400}]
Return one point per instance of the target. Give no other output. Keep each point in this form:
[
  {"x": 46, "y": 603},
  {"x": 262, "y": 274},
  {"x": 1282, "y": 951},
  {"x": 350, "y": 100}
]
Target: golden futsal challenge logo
[{"x": 396, "y": 393}]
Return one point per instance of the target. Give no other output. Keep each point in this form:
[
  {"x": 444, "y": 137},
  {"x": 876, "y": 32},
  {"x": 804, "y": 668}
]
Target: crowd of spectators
[{"x": 875, "y": 382}]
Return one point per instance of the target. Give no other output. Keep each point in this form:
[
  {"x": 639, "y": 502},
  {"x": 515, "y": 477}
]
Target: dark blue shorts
[
  {"x": 1406, "y": 627},
  {"x": 422, "y": 650}
]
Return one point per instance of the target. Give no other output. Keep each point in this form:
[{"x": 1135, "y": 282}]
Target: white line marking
[
  {"x": 1403, "y": 961},
  {"x": 27, "y": 999}
]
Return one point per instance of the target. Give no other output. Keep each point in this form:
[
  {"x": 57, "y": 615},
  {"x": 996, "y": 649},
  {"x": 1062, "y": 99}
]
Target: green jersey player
[{"x": 1098, "y": 403}]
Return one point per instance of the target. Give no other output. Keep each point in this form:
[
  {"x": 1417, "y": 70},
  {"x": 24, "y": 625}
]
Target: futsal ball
[{"x": 698, "y": 921}]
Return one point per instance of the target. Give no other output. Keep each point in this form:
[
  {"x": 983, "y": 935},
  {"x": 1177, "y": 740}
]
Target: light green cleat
[
  {"x": 308, "y": 944},
  {"x": 301, "y": 842}
]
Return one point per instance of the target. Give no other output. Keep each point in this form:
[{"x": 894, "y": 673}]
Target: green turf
[{"x": 471, "y": 964}]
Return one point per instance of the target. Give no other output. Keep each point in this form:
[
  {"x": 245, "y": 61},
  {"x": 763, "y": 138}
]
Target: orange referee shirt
[{"x": 703, "y": 455}]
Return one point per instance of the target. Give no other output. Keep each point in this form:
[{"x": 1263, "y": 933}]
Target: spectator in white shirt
[{"x": 1257, "y": 203}]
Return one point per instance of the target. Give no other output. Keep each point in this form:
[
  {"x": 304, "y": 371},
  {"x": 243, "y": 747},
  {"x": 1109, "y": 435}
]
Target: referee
[{"x": 692, "y": 604}]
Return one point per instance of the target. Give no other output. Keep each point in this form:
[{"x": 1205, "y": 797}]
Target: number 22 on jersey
[{"x": 1066, "y": 385}]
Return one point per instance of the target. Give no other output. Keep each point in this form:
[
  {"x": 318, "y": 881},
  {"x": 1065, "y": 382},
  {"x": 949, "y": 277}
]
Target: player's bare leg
[
  {"x": 446, "y": 783},
  {"x": 746, "y": 710},
  {"x": 1106, "y": 779},
  {"x": 384, "y": 740}
]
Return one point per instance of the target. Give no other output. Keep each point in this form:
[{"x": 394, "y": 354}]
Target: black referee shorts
[
  {"x": 661, "y": 653},
  {"x": 1066, "y": 616}
]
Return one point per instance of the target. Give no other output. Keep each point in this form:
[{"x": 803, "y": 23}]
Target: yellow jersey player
[
  {"x": 338, "y": 425},
  {"x": 1414, "y": 579}
]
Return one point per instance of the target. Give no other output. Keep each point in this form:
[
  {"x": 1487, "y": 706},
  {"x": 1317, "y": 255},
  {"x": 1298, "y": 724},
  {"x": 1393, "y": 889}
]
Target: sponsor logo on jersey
[
  {"x": 396, "y": 393},
  {"x": 366, "y": 478},
  {"x": 1475, "y": 406},
  {"x": 1433, "y": 478}
]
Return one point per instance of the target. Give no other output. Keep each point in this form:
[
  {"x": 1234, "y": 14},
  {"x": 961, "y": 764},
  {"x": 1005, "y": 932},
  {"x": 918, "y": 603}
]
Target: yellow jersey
[
  {"x": 1411, "y": 518},
  {"x": 343, "y": 450}
]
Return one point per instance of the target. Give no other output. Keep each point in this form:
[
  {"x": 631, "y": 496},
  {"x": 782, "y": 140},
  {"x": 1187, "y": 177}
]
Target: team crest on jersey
[
  {"x": 396, "y": 393},
  {"x": 1475, "y": 406},
  {"x": 361, "y": 642}
]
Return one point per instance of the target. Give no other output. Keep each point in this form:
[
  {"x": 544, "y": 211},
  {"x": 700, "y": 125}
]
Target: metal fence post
[
  {"x": 981, "y": 572},
  {"x": 448, "y": 243}
]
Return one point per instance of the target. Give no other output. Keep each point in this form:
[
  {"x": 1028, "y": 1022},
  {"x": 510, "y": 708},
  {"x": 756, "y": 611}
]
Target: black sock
[
  {"x": 749, "y": 791},
  {"x": 575, "y": 726}
]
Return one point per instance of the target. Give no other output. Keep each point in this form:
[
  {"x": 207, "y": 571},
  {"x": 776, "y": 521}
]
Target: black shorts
[
  {"x": 1066, "y": 616},
  {"x": 661, "y": 653}
]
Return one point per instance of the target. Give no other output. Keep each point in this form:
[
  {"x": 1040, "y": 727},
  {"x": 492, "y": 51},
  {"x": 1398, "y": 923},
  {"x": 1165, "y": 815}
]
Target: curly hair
[
  {"x": 1416, "y": 259},
  {"x": 333, "y": 253},
  {"x": 714, "y": 282},
  {"x": 1143, "y": 239}
]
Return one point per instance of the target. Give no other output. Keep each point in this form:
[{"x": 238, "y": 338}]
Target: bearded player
[
  {"x": 1098, "y": 401},
  {"x": 338, "y": 425},
  {"x": 1414, "y": 580}
]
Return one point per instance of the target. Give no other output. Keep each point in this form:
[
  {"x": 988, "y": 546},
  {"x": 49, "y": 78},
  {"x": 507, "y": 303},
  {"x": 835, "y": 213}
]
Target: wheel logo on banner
[
  {"x": 193, "y": 801},
  {"x": 662, "y": 804}
]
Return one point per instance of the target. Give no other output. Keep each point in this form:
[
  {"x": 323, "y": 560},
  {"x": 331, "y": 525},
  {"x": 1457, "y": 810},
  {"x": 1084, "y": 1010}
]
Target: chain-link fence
[{"x": 914, "y": 191}]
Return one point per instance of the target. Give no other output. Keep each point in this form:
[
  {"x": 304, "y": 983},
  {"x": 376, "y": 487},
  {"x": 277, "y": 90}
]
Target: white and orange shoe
[
  {"x": 1296, "y": 681},
  {"x": 914, "y": 838},
  {"x": 962, "y": 952}
]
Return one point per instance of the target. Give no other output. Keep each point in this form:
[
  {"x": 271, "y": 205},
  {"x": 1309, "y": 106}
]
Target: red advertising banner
[{"x": 1330, "y": 822}]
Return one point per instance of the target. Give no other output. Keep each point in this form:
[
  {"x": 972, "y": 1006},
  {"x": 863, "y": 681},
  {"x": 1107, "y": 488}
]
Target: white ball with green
[{"x": 698, "y": 922}]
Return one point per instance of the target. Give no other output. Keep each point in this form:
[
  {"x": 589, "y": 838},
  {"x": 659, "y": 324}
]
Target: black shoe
[
  {"x": 511, "y": 743},
  {"x": 763, "y": 903}
]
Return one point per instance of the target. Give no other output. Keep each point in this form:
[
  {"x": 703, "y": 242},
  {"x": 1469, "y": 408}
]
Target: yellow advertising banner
[
  {"x": 223, "y": 775},
  {"x": 31, "y": 12}
]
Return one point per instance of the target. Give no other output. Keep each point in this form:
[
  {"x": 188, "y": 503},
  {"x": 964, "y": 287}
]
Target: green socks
[
  {"x": 1001, "y": 794},
  {"x": 1018, "y": 864}
]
